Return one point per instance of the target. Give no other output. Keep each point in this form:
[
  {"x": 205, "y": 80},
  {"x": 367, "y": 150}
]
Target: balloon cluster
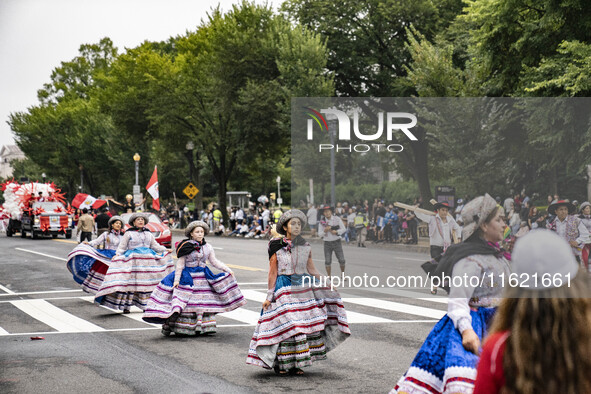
[{"x": 18, "y": 197}]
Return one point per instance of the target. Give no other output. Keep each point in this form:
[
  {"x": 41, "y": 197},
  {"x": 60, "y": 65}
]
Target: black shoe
[
  {"x": 126, "y": 311},
  {"x": 363, "y": 245}
]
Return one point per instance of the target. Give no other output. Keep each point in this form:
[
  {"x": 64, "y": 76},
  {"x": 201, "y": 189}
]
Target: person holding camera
[{"x": 330, "y": 230}]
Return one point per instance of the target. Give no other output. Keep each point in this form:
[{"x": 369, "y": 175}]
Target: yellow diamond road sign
[{"x": 190, "y": 191}]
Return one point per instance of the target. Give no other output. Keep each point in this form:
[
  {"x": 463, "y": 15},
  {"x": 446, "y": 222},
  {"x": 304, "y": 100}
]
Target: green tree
[
  {"x": 229, "y": 89},
  {"x": 368, "y": 52}
]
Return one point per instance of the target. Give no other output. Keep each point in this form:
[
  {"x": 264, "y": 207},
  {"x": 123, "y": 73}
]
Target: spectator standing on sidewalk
[
  {"x": 102, "y": 222},
  {"x": 85, "y": 226},
  {"x": 351, "y": 223},
  {"x": 277, "y": 214},
  {"x": 389, "y": 219},
  {"x": 411, "y": 219},
  {"x": 312, "y": 216},
  {"x": 265, "y": 215},
  {"x": 361, "y": 223},
  {"x": 330, "y": 230},
  {"x": 441, "y": 227}
]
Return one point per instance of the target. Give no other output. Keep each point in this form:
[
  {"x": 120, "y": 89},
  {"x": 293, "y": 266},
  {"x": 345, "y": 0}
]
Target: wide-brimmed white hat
[
  {"x": 541, "y": 257},
  {"x": 287, "y": 216},
  {"x": 114, "y": 219},
  {"x": 475, "y": 213},
  {"x": 197, "y": 223},
  {"x": 138, "y": 215}
]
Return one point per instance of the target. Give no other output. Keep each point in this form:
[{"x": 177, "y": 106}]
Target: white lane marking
[
  {"x": 11, "y": 293},
  {"x": 396, "y": 307},
  {"x": 243, "y": 315},
  {"x": 55, "y": 317},
  {"x": 41, "y": 292},
  {"x": 7, "y": 290},
  {"x": 136, "y": 313},
  {"x": 352, "y": 317},
  {"x": 254, "y": 295},
  {"x": 3, "y": 332},
  {"x": 42, "y": 254},
  {"x": 110, "y": 330}
]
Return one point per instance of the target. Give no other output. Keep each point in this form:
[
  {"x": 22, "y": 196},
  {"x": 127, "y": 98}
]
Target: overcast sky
[{"x": 36, "y": 35}]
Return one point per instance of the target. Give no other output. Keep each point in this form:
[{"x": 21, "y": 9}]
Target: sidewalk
[{"x": 422, "y": 247}]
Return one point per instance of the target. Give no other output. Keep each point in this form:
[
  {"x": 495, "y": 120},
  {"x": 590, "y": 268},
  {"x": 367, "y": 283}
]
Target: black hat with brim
[{"x": 562, "y": 203}]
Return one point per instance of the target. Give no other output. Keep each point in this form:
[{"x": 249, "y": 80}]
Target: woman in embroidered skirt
[
  {"x": 139, "y": 265},
  {"x": 299, "y": 322},
  {"x": 187, "y": 300},
  {"x": 88, "y": 264},
  {"x": 446, "y": 363},
  {"x": 540, "y": 338}
]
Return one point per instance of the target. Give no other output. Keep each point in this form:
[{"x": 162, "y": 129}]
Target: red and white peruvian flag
[
  {"x": 82, "y": 201},
  {"x": 153, "y": 189}
]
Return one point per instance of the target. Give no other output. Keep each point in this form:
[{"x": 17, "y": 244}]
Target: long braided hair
[{"x": 549, "y": 346}]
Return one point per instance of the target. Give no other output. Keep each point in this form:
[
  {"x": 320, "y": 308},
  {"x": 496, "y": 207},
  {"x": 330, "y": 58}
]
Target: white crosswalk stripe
[
  {"x": 55, "y": 317},
  {"x": 136, "y": 313},
  {"x": 243, "y": 315},
  {"x": 65, "y": 322},
  {"x": 395, "y": 307}
]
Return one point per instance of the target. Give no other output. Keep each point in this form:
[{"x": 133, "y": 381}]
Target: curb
[{"x": 423, "y": 246}]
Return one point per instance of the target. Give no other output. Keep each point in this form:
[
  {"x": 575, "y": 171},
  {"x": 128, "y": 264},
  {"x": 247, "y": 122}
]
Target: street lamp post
[
  {"x": 332, "y": 130},
  {"x": 81, "y": 167},
  {"x": 136, "y": 188},
  {"x": 279, "y": 200},
  {"x": 190, "y": 146}
]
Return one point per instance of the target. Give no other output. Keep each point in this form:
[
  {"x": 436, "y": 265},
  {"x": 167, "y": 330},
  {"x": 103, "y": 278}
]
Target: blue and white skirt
[
  {"x": 442, "y": 365},
  {"x": 89, "y": 266}
]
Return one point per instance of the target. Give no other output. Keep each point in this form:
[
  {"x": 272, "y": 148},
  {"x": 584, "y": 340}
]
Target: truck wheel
[
  {"x": 54, "y": 236},
  {"x": 68, "y": 235},
  {"x": 9, "y": 232},
  {"x": 23, "y": 234},
  {"x": 34, "y": 234}
]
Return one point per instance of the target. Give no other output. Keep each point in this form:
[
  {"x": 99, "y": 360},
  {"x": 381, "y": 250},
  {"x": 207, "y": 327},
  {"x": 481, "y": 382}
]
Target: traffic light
[{"x": 272, "y": 196}]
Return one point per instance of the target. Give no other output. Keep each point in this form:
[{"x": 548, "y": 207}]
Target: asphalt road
[{"x": 91, "y": 349}]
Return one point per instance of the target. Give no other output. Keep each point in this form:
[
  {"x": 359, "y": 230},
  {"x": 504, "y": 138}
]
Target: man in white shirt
[
  {"x": 239, "y": 215},
  {"x": 330, "y": 230},
  {"x": 440, "y": 229},
  {"x": 568, "y": 226},
  {"x": 265, "y": 215}
]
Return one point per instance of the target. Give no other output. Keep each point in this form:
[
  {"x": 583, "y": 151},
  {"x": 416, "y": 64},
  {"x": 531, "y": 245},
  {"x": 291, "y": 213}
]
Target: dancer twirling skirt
[
  {"x": 139, "y": 265},
  {"x": 187, "y": 300},
  {"x": 88, "y": 264},
  {"x": 299, "y": 322},
  {"x": 446, "y": 363}
]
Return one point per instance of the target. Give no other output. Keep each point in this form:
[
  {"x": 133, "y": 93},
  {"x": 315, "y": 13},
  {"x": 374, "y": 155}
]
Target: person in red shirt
[{"x": 540, "y": 339}]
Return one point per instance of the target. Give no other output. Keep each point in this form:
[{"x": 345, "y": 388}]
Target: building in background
[{"x": 9, "y": 153}]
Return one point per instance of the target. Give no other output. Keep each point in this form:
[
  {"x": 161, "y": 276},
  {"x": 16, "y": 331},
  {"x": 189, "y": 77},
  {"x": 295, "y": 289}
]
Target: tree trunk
[
  {"x": 421, "y": 170},
  {"x": 222, "y": 196},
  {"x": 553, "y": 181}
]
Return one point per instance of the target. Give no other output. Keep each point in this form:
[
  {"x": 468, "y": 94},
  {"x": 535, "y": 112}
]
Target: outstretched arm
[
  {"x": 218, "y": 264},
  {"x": 97, "y": 241},
  {"x": 178, "y": 270},
  {"x": 114, "y": 202}
]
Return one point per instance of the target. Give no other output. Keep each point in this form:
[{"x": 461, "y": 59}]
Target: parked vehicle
[{"x": 14, "y": 226}]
